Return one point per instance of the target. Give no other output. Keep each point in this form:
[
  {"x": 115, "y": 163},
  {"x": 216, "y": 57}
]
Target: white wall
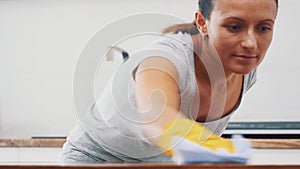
[{"x": 41, "y": 41}]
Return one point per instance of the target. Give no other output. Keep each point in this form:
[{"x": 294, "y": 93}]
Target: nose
[{"x": 249, "y": 40}]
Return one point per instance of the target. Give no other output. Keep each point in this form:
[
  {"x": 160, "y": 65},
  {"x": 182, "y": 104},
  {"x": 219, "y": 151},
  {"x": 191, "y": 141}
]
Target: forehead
[{"x": 245, "y": 8}]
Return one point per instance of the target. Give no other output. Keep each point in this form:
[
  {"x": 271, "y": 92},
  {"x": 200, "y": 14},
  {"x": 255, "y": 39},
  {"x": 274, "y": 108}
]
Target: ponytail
[{"x": 189, "y": 28}]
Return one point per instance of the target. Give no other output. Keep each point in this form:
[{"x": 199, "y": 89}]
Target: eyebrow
[
  {"x": 241, "y": 20},
  {"x": 267, "y": 20}
]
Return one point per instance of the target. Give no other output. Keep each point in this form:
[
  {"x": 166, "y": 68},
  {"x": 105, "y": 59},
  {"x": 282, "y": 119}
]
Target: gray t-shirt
[{"x": 111, "y": 130}]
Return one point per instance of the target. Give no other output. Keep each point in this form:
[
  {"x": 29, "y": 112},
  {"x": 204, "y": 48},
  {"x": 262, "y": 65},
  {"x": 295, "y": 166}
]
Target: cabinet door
[
  {"x": 9, "y": 155},
  {"x": 39, "y": 155},
  {"x": 275, "y": 156}
]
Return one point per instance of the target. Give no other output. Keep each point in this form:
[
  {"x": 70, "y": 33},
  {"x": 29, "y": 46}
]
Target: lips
[{"x": 245, "y": 58}]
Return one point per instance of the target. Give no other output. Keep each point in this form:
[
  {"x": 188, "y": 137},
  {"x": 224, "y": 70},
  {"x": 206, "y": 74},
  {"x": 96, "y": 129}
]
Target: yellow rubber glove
[{"x": 192, "y": 131}]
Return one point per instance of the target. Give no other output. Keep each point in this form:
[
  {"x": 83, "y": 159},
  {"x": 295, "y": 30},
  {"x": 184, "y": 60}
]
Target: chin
[
  {"x": 239, "y": 67},
  {"x": 244, "y": 71}
]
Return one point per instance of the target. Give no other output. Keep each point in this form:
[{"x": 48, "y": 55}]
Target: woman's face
[{"x": 241, "y": 32}]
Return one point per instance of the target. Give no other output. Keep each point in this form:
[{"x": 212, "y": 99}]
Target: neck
[
  {"x": 201, "y": 71},
  {"x": 204, "y": 77}
]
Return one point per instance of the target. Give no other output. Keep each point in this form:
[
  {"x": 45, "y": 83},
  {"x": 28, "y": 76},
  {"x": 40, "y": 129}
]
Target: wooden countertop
[
  {"x": 58, "y": 142},
  {"x": 153, "y": 166},
  {"x": 43, "y": 142}
]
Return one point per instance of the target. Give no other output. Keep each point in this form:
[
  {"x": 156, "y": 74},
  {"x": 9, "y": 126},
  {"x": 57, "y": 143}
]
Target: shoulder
[
  {"x": 177, "y": 48},
  {"x": 179, "y": 41},
  {"x": 171, "y": 50}
]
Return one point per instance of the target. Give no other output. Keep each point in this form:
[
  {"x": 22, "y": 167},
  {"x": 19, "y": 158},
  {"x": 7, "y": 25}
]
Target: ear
[{"x": 201, "y": 23}]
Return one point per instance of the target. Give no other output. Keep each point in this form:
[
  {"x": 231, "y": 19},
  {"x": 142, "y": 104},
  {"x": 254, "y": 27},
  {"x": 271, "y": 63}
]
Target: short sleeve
[{"x": 175, "y": 48}]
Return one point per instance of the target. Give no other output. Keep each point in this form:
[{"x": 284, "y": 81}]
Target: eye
[
  {"x": 234, "y": 28},
  {"x": 264, "y": 28}
]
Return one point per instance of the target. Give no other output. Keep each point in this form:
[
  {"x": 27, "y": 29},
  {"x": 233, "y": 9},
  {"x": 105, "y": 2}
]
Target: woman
[{"x": 188, "y": 84}]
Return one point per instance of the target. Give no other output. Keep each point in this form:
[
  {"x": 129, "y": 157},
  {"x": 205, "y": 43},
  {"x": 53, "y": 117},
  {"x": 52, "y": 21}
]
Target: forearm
[{"x": 155, "y": 121}]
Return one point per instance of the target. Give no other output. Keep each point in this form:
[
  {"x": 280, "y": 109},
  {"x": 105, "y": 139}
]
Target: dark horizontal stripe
[
  {"x": 263, "y": 125},
  {"x": 266, "y": 136}
]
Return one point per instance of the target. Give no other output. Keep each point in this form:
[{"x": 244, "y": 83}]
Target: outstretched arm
[
  {"x": 158, "y": 98},
  {"x": 157, "y": 94}
]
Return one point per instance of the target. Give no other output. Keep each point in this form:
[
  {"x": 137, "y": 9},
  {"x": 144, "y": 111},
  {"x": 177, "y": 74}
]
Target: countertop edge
[{"x": 58, "y": 142}]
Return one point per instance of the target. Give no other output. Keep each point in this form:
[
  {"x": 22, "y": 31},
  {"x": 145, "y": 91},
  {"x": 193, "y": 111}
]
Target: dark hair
[{"x": 206, "y": 7}]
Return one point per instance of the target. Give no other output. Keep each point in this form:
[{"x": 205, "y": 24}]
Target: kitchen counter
[
  {"x": 40, "y": 142},
  {"x": 152, "y": 166},
  {"x": 43, "y": 153},
  {"x": 58, "y": 142}
]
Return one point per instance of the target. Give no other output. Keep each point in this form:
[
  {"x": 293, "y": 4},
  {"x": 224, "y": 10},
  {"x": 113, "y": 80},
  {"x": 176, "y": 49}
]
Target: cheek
[
  {"x": 265, "y": 44},
  {"x": 223, "y": 46},
  {"x": 221, "y": 40}
]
